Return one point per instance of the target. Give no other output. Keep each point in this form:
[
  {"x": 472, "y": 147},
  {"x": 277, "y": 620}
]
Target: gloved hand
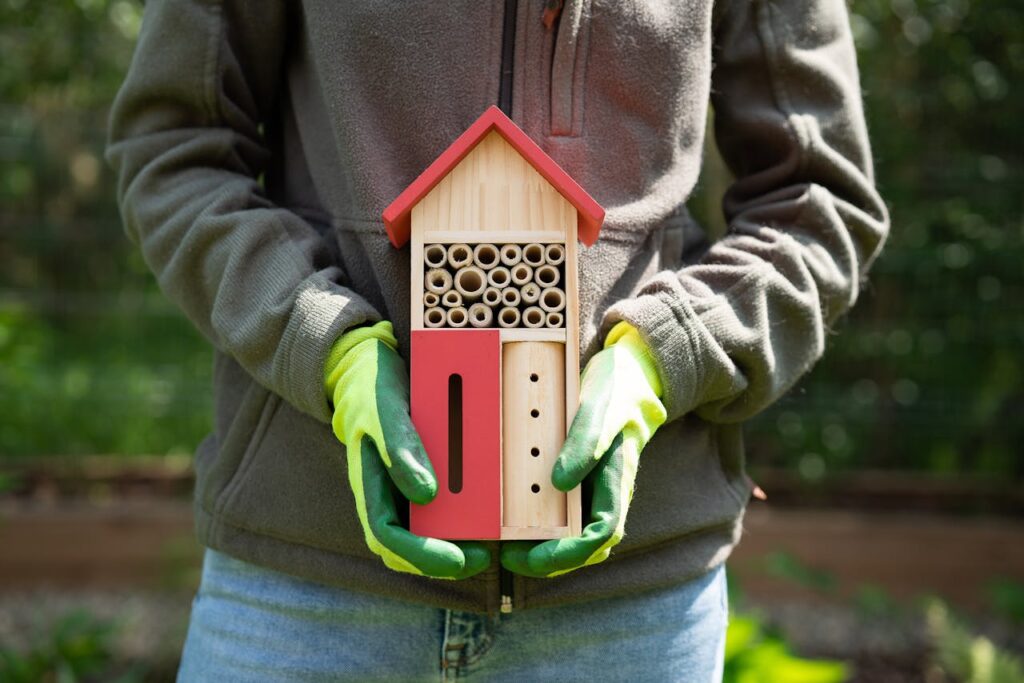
[
  {"x": 618, "y": 414},
  {"x": 369, "y": 386}
]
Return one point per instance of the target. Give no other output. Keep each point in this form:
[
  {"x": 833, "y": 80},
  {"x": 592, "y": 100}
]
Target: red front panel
[{"x": 474, "y": 512}]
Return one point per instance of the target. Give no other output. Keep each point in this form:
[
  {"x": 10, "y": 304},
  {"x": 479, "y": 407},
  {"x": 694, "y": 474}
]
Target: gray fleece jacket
[{"x": 257, "y": 142}]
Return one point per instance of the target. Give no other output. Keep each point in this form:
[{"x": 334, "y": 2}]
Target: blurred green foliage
[
  {"x": 79, "y": 647},
  {"x": 967, "y": 657},
  {"x": 927, "y": 371},
  {"x": 92, "y": 358},
  {"x": 924, "y": 375},
  {"x": 755, "y": 653}
]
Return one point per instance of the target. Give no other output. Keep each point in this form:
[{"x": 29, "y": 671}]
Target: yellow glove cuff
[
  {"x": 333, "y": 369},
  {"x": 626, "y": 337}
]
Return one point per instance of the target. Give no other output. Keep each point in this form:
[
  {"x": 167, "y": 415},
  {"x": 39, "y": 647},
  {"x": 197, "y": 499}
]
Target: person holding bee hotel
[{"x": 257, "y": 144}]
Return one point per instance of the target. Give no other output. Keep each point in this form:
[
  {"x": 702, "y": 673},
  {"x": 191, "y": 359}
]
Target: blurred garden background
[{"x": 890, "y": 548}]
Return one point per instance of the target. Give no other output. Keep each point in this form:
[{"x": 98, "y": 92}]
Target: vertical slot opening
[{"x": 455, "y": 433}]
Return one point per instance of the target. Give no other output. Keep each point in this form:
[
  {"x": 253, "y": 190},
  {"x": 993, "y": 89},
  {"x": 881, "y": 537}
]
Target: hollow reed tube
[
  {"x": 457, "y": 317},
  {"x": 486, "y": 256},
  {"x": 499, "y": 277},
  {"x": 470, "y": 282},
  {"x": 492, "y": 296},
  {"x": 521, "y": 274},
  {"x": 530, "y": 292},
  {"x": 547, "y": 276},
  {"x": 480, "y": 315},
  {"x": 435, "y": 255},
  {"x": 511, "y": 254},
  {"x": 431, "y": 299},
  {"x": 554, "y": 254},
  {"x": 533, "y": 254},
  {"x": 451, "y": 299},
  {"x": 533, "y": 317},
  {"x": 554, "y": 320},
  {"x": 460, "y": 256},
  {"x": 510, "y": 296},
  {"x": 508, "y": 317},
  {"x": 434, "y": 317},
  {"x": 552, "y": 299},
  {"x": 438, "y": 281}
]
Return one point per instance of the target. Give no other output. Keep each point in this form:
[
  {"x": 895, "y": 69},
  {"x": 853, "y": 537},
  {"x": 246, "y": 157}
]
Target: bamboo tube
[
  {"x": 510, "y": 296},
  {"x": 492, "y": 296},
  {"x": 554, "y": 320},
  {"x": 431, "y": 299},
  {"x": 459, "y": 256},
  {"x": 530, "y": 292},
  {"x": 470, "y": 282},
  {"x": 533, "y": 317},
  {"x": 434, "y": 317},
  {"x": 533, "y": 254},
  {"x": 552, "y": 299},
  {"x": 438, "y": 281},
  {"x": 486, "y": 256},
  {"x": 508, "y": 317},
  {"x": 480, "y": 315},
  {"x": 547, "y": 276},
  {"x": 451, "y": 299},
  {"x": 457, "y": 317},
  {"x": 511, "y": 254},
  {"x": 554, "y": 254},
  {"x": 521, "y": 274},
  {"x": 435, "y": 255},
  {"x": 499, "y": 277}
]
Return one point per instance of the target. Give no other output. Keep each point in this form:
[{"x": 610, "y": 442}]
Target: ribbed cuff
[
  {"x": 672, "y": 332},
  {"x": 322, "y": 312}
]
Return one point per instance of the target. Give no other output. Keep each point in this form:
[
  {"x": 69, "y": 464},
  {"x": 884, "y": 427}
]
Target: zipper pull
[
  {"x": 551, "y": 11},
  {"x": 507, "y": 586}
]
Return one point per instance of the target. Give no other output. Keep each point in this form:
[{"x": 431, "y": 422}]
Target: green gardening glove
[
  {"x": 369, "y": 386},
  {"x": 620, "y": 409}
]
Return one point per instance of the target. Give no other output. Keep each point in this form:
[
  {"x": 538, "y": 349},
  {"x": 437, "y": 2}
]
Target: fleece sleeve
[
  {"x": 187, "y": 143},
  {"x": 736, "y": 330}
]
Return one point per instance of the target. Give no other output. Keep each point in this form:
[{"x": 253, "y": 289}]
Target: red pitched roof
[{"x": 589, "y": 212}]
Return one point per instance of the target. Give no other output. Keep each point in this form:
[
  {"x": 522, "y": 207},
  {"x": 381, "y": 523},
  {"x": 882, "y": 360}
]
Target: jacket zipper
[
  {"x": 506, "y": 583},
  {"x": 508, "y": 51}
]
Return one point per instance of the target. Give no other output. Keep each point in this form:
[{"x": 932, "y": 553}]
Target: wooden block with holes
[{"x": 493, "y": 225}]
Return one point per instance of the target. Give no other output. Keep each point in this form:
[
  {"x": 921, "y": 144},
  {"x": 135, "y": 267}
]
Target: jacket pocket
[
  {"x": 244, "y": 409},
  {"x": 568, "y": 68}
]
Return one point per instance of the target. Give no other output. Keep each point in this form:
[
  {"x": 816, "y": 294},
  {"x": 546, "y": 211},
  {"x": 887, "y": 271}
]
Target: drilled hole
[
  {"x": 534, "y": 413},
  {"x": 535, "y": 452},
  {"x": 534, "y": 377},
  {"x": 535, "y": 488}
]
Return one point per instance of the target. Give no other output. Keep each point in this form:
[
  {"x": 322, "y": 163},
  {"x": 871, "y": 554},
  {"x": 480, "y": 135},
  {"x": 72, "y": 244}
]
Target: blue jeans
[{"x": 254, "y": 624}]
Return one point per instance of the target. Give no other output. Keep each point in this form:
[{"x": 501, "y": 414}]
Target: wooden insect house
[{"x": 493, "y": 224}]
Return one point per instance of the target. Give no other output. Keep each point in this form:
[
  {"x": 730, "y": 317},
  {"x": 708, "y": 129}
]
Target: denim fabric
[{"x": 254, "y": 624}]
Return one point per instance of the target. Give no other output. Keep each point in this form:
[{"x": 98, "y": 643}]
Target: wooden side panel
[
  {"x": 494, "y": 188},
  {"x": 533, "y": 405},
  {"x": 572, "y": 360},
  {"x": 416, "y": 273},
  {"x": 473, "y": 511}
]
